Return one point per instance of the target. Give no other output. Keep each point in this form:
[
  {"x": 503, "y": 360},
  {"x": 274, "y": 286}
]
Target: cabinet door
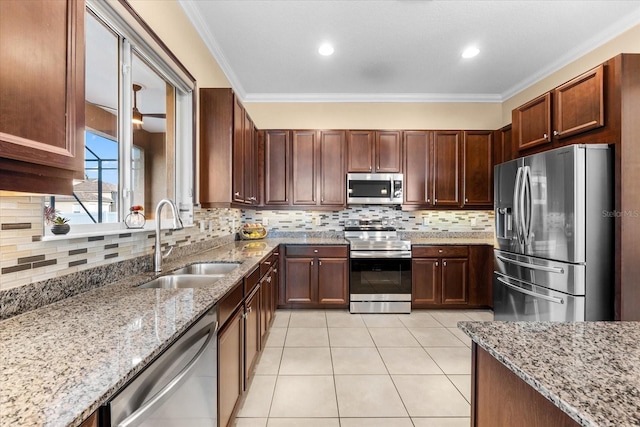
[
  {"x": 502, "y": 150},
  {"x": 579, "y": 104},
  {"x": 276, "y": 167},
  {"x": 300, "y": 280},
  {"x": 332, "y": 174},
  {"x": 252, "y": 334},
  {"x": 238, "y": 190},
  {"x": 304, "y": 167},
  {"x": 230, "y": 366},
  {"x": 388, "y": 151},
  {"x": 216, "y": 147},
  {"x": 250, "y": 172},
  {"x": 360, "y": 150},
  {"x": 532, "y": 123},
  {"x": 333, "y": 280},
  {"x": 417, "y": 167},
  {"x": 447, "y": 147},
  {"x": 425, "y": 281},
  {"x": 42, "y": 102},
  {"x": 266, "y": 303},
  {"x": 478, "y": 168},
  {"x": 454, "y": 281}
]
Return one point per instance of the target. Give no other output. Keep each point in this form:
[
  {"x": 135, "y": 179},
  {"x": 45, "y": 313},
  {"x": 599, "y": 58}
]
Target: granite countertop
[
  {"x": 590, "y": 370},
  {"x": 451, "y": 241},
  {"x": 62, "y": 361}
]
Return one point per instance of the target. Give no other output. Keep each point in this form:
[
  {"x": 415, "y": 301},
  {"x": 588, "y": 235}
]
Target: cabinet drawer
[
  {"x": 267, "y": 264},
  {"x": 251, "y": 280},
  {"x": 439, "y": 251},
  {"x": 326, "y": 251},
  {"x": 229, "y": 302}
]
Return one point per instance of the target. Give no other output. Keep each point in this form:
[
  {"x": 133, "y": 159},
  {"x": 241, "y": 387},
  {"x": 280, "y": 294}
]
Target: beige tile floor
[{"x": 332, "y": 368}]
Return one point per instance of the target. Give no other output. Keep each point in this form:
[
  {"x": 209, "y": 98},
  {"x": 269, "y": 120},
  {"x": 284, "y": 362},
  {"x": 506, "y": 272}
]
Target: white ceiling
[{"x": 399, "y": 50}]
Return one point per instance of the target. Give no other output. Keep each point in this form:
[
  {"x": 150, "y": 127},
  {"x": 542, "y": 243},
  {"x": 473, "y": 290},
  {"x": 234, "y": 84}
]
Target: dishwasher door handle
[{"x": 138, "y": 415}]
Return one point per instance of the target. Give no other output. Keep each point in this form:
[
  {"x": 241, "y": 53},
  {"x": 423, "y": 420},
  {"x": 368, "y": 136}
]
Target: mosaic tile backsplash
[{"x": 407, "y": 221}]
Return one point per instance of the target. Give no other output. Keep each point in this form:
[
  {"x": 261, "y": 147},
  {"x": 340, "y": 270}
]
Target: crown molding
[{"x": 371, "y": 97}]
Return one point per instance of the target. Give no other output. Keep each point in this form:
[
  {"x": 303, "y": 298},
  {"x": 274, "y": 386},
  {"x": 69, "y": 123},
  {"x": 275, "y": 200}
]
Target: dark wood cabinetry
[
  {"x": 331, "y": 168},
  {"x": 228, "y": 151},
  {"x": 502, "y": 145},
  {"x": 453, "y": 276},
  {"x": 417, "y": 168},
  {"x": 374, "y": 151},
  {"x": 253, "y": 333},
  {"x": 439, "y": 276},
  {"x": 303, "y": 159},
  {"x": 447, "y": 149},
  {"x": 230, "y": 366},
  {"x": 573, "y": 108},
  {"x": 501, "y": 398},
  {"x": 41, "y": 95},
  {"x": 478, "y": 169},
  {"x": 316, "y": 276},
  {"x": 276, "y": 167}
]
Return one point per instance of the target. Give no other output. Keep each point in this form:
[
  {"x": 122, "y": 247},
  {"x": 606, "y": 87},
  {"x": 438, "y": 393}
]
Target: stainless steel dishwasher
[{"x": 179, "y": 388}]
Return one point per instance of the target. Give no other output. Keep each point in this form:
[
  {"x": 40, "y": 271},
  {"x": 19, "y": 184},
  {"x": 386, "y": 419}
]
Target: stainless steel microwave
[{"x": 374, "y": 188}]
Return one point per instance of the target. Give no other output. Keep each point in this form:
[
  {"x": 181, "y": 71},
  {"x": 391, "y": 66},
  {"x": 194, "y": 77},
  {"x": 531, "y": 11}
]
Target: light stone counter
[
  {"x": 59, "y": 363},
  {"x": 590, "y": 370}
]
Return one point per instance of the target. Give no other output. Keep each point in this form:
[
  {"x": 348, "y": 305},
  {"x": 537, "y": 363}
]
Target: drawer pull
[
  {"x": 315, "y": 251},
  {"x": 439, "y": 250}
]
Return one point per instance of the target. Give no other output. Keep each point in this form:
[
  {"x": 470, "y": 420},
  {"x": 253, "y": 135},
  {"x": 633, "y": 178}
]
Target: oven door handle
[
  {"x": 380, "y": 254},
  {"x": 137, "y": 416}
]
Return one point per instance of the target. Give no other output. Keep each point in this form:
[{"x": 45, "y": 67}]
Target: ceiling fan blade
[{"x": 155, "y": 115}]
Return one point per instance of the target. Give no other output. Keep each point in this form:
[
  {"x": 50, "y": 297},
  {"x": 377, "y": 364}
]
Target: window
[{"x": 139, "y": 124}]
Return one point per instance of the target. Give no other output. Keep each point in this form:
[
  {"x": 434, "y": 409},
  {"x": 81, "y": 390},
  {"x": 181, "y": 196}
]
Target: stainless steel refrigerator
[{"x": 554, "y": 223}]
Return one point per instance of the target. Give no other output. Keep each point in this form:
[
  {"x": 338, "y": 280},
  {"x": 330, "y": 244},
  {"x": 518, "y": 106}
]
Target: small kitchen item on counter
[
  {"x": 136, "y": 218},
  {"x": 253, "y": 231}
]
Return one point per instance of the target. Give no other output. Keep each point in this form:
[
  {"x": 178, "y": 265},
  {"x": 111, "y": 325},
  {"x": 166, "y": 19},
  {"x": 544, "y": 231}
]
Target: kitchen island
[{"x": 561, "y": 374}]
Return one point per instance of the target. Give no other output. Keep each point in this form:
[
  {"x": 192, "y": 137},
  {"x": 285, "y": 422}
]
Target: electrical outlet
[
  {"x": 202, "y": 226},
  {"x": 425, "y": 220},
  {"x": 265, "y": 221},
  {"x": 474, "y": 221},
  {"x": 318, "y": 221}
]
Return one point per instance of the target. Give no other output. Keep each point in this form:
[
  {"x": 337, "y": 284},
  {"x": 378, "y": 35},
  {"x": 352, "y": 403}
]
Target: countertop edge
[{"x": 527, "y": 378}]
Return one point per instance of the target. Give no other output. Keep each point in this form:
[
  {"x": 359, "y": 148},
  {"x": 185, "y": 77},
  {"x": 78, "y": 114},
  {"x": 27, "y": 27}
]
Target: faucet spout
[{"x": 177, "y": 225}]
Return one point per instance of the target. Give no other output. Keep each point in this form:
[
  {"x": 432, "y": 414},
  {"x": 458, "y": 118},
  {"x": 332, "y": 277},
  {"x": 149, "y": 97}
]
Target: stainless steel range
[{"x": 380, "y": 267}]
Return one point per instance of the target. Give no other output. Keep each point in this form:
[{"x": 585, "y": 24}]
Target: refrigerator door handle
[
  {"x": 516, "y": 208},
  {"x": 526, "y": 190},
  {"x": 531, "y": 293},
  {"x": 532, "y": 266}
]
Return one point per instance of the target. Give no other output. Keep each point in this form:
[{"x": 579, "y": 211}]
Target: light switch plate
[{"x": 425, "y": 220}]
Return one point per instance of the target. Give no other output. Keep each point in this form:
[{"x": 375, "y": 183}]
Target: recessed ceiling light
[
  {"x": 470, "y": 52},
  {"x": 325, "y": 49}
]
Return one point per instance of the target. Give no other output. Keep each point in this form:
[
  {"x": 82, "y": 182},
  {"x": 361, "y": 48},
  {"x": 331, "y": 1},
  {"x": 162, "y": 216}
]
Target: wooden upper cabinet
[
  {"x": 303, "y": 159},
  {"x": 532, "y": 123},
  {"x": 276, "y": 167},
  {"x": 41, "y": 95},
  {"x": 478, "y": 168},
  {"x": 417, "y": 167},
  {"x": 388, "y": 151},
  {"x": 579, "y": 104},
  {"x": 237, "y": 191},
  {"x": 502, "y": 148},
  {"x": 447, "y": 147},
  {"x": 332, "y": 164},
  {"x": 360, "y": 150},
  {"x": 374, "y": 151}
]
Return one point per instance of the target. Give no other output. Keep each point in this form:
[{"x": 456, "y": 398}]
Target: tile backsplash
[
  {"x": 25, "y": 258},
  {"x": 408, "y": 221}
]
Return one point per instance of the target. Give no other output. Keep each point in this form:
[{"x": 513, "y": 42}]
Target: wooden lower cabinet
[
  {"x": 452, "y": 276},
  {"x": 501, "y": 398},
  {"x": 230, "y": 366},
  {"x": 92, "y": 421},
  {"x": 316, "y": 276},
  {"x": 252, "y": 336}
]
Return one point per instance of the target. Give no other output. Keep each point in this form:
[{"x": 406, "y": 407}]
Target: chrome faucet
[{"x": 177, "y": 225}]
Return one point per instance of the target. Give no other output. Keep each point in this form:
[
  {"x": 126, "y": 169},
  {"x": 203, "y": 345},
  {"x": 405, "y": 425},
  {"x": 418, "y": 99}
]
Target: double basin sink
[{"x": 199, "y": 275}]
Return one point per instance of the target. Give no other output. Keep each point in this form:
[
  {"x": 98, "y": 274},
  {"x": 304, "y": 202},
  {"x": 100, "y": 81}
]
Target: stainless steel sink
[
  {"x": 208, "y": 268},
  {"x": 180, "y": 281}
]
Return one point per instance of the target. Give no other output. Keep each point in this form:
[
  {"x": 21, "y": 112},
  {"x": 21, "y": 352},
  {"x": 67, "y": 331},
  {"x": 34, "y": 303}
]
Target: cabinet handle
[
  {"x": 428, "y": 200},
  {"x": 436, "y": 263},
  {"x": 319, "y": 262},
  {"x": 556, "y": 133},
  {"x": 369, "y": 168},
  {"x": 444, "y": 263},
  {"x": 268, "y": 279},
  {"x": 253, "y": 199},
  {"x": 466, "y": 200},
  {"x": 311, "y": 262},
  {"x": 435, "y": 201},
  {"x": 440, "y": 251},
  {"x": 275, "y": 271},
  {"x": 545, "y": 136},
  {"x": 315, "y": 251},
  {"x": 322, "y": 200},
  {"x": 237, "y": 194},
  {"x": 267, "y": 262}
]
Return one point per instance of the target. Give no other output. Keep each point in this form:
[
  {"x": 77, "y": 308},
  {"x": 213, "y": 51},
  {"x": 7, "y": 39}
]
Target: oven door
[{"x": 380, "y": 279}]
